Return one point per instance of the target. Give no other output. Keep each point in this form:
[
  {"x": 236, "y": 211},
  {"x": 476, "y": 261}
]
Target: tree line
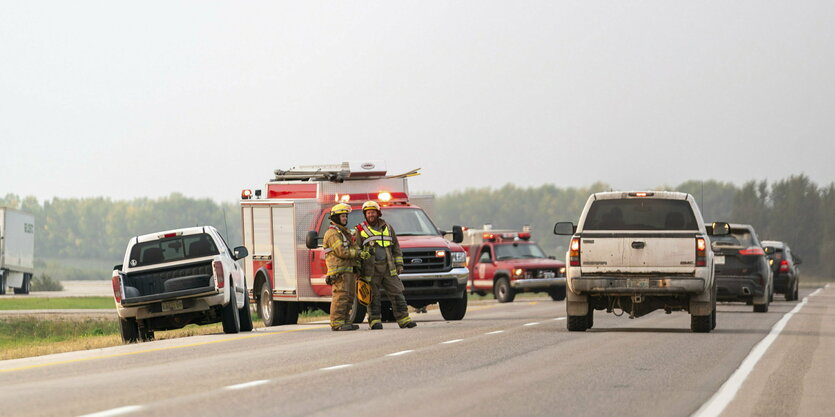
[{"x": 794, "y": 209}]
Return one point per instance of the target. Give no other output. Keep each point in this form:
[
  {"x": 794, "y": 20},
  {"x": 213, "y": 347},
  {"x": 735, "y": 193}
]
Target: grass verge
[{"x": 68, "y": 303}]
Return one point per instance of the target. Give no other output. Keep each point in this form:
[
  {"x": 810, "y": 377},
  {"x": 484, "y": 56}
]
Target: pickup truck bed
[{"x": 172, "y": 282}]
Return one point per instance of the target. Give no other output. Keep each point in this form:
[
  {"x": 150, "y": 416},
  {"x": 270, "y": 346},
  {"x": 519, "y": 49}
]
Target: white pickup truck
[
  {"x": 177, "y": 277},
  {"x": 637, "y": 252}
]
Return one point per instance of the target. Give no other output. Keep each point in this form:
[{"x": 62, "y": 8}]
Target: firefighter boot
[
  {"x": 376, "y": 325},
  {"x": 406, "y": 323},
  {"x": 345, "y": 327}
]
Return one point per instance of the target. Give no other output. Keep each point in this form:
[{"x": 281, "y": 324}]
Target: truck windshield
[
  {"x": 518, "y": 250},
  {"x": 405, "y": 221},
  {"x": 172, "y": 249},
  {"x": 640, "y": 214}
]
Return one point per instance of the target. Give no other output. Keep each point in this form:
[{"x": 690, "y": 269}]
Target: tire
[
  {"x": 358, "y": 311},
  {"x": 701, "y": 324},
  {"x": 590, "y": 318},
  {"x": 713, "y": 319},
  {"x": 503, "y": 292},
  {"x": 2, "y": 284},
  {"x": 266, "y": 307},
  {"x": 577, "y": 323},
  {"x": 245, "y": 315},
  {"x": 130, "y": 331},
  {"x": 230, "y": 318},
  {"x": 27, "y": 284},
  {"x": 761, "y": 308},
  {"x": 557, "y": 294},
  {"x": 453, "y": 310},
  {"x": 146, "y": 334}
]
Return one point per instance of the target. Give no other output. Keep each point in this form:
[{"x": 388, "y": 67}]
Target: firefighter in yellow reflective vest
[
  {"x": 382, "y": 267},
  {"x": 341, "y": 255}
]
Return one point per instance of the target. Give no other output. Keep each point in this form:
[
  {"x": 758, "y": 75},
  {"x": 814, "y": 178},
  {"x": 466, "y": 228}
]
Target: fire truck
[
  {"x": 507, "y": 262},
  {"x": 284, "y": 224}
]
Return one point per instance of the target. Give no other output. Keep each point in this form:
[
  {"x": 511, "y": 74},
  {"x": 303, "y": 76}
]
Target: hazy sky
[{"x": 128, "y": 99}]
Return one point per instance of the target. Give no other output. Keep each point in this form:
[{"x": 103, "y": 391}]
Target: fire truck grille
[{"x": 425, "y": 260}]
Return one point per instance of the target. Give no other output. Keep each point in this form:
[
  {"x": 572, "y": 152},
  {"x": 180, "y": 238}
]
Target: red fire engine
[
  {"x": 283, "y": 229},
  {"x": 507, "y": 262}
]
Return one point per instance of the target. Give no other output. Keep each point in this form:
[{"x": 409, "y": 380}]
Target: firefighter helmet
[
  {"x": 340, "y": 208},
  {"x": 370, "y": 205}
]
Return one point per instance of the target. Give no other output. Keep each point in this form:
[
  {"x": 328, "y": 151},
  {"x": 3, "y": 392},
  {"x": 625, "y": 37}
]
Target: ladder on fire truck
[{"x": 346, "y": 171}]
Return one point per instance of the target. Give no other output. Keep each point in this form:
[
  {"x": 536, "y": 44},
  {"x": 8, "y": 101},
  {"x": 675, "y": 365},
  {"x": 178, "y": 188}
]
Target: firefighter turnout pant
[
  {"x": 344, "y": 287},
  {"x": 382, "y": 279}
]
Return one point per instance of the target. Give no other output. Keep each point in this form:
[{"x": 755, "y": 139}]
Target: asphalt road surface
[{"x": 502, "y": 359}]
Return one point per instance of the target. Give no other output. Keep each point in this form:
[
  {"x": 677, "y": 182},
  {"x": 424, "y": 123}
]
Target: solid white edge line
[
  {"x": 115, "y": 411},
  {"x": 452, "y": 341},
  {"x": 331, "y": 368},
  {"x": 531, "y": 324},
  {"x": 727, "y": 392},
  {"x": 248, "y": 384},
  {"x": 496, "y": 332},
  {"x": 402, "y": 352}
]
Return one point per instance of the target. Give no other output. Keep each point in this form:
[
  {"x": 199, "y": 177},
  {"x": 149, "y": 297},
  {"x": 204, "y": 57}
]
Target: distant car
[
  {"x": 784, "y": 266},
  {"x": 742, "y": 270}
]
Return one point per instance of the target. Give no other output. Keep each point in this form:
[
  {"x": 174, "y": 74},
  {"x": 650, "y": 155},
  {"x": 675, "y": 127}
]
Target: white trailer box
[{"x": 17, "y": 250}]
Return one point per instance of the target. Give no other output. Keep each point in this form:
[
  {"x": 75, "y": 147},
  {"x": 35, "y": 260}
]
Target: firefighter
[
  {"x": 382, "y": 266},
  {"x": 341, "y": 255}
]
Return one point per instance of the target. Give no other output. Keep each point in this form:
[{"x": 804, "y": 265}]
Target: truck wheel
[
  {"x": 2, "y": 284},
  {"x": 245, "y": 314},
  {"x": 557, "y": 294},
  {"x": 713, "y": 319},
  {"x": 454, "y": 309},
  {"x": 701, "y": 324},
  {"x": 761, "y": 308},
  {"x": 577, "y": 323},
  {"x": 267, "y": 308},
  {"x": 288, "y": 313},
  {"x": 146, "y": 334},
  {"x": 24, "y": 289},
  {"x": 231, "y": 320},
  {"x": 503, "y": 292},
  {"x": 130, "y": 331}
]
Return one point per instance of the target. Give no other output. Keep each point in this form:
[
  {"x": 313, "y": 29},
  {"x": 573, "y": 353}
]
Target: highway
[{"x": 502, "y": 359}]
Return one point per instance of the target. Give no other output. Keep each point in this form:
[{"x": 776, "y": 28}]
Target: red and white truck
[
  {"x": 284, "y": 223},
  {"x": 507, "y": 262}
]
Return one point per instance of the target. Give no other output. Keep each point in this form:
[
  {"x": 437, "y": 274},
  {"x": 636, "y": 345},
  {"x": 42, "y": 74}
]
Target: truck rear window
[
  {"x": 172, "y": 249},
  {"x": 640, "y": 214}
]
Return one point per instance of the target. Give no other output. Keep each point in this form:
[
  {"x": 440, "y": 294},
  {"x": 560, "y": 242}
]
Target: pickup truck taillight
[
  {"x": 574, "y": 252},
  {"x": 701, "y": 251},
  {"x": 117, "y": 288},
  {"x": 218, "y": 268}
]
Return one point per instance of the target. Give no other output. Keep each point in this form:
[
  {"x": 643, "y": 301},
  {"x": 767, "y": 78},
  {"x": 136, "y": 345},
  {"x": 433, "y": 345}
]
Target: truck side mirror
[
  {"x": 312, "y": 240},
  {"x": 719, "y": 229},
  {"x": 119, "y": 268},
  {"x": 564, "y": 228},
  {"x": 457, "y": 234},
  {"x": 240, "y": 252}
]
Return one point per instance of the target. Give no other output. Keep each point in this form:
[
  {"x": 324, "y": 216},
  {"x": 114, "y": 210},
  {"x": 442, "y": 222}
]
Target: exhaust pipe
[{"x": 746, "y": 291}]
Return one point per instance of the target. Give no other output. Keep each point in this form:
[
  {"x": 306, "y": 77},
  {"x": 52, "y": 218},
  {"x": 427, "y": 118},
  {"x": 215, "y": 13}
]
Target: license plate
[
  {"x": 719, "y": 260},
  {"x": 637, "y": 283},
  {"x": 548, "y": 274},
  {"x": 172, "y": 305}
]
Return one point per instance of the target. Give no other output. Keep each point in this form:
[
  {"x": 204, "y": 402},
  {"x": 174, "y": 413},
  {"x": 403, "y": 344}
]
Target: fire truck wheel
[
  {"x": 230, "y": 318},
  {"x": 357, "y": 312},
  {"x": 266, "y": 306},
  {"x": 288, "y": 312},
  {"x": 503, "y": 292},
  {"x": 130, "y": 332},
  {"x": 245, "y": 314},
  {"x": 454, "y": 309},
  {"x": 557, "y": 294}
]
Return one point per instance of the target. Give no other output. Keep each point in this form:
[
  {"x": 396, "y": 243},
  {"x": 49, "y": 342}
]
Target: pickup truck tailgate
[{"x": 638, "y": 253}]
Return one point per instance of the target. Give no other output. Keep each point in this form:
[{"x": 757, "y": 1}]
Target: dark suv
[
  {"x": 784, "y": 265},
  {"x": 741, "y": 267}
]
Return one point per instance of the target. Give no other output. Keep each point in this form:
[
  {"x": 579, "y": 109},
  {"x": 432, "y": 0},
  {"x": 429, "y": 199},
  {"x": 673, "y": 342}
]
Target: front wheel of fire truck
[
  {"x": 502, "y": 290},
  {"x": 454, "y": 309}
]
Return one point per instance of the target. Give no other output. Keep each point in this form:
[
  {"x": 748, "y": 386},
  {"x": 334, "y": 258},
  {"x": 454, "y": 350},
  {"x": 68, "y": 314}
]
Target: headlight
[
  {"x": 562, "y": 271},
  {"x": 518, "y": 272},
  {"x": 459, "y": 259}
]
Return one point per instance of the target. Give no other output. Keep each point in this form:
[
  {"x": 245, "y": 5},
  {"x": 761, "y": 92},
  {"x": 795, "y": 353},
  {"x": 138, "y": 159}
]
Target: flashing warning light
[
  {"x": 752, "y": 251},
  {"x": 525, "y": 235},
  {"x": 345, "y": 198},
  {"x": 246, "y": 194},
  {"x": 488, "y": 236},
  {"x": 440, "y": 253},
  {"x": 384, "y": 196}
]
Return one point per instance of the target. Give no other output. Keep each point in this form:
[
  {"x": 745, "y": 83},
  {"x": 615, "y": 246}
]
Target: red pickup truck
[{"x": 507, "y": 262}]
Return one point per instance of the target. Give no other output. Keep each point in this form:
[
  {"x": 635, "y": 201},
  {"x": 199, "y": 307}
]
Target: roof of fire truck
[{"x": 347, "y": 182}]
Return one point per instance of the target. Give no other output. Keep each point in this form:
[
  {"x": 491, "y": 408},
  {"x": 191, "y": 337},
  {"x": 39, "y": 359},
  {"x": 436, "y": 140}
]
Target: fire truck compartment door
[{"x": 284, "y": 247}]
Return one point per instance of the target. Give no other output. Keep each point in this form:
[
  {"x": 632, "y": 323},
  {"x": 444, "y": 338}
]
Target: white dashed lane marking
[
  {"x": 248, "y": 384},
  {"x": 532, "y": 324},
  {"x": 496, "y": 332},
  {"x": 402, "y": 352},
  {"x": 331, "y": 368},
  {"x": 115, "y": 412},
  {"x": 452, "y": 341}
]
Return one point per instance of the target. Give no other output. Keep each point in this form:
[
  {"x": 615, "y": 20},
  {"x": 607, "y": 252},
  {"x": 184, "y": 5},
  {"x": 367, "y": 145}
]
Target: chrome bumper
[
  {"x": 622, "y": 285},
  {"x": 538, "y": 283},
  {"x": 459, "y": 274}
]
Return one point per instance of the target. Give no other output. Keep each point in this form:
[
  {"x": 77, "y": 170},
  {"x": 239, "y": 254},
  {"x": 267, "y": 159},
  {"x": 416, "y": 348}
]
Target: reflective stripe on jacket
[{"x": 341, "y": 252}]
